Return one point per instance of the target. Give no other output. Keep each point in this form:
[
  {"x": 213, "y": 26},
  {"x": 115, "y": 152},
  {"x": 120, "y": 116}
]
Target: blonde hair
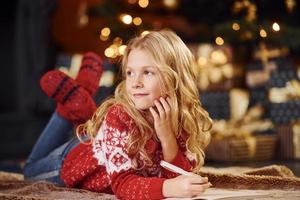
[{"x": 177, "y": 64}]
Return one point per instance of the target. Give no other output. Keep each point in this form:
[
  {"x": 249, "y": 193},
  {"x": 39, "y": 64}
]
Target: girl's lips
[{"x": 139, "y": 95}]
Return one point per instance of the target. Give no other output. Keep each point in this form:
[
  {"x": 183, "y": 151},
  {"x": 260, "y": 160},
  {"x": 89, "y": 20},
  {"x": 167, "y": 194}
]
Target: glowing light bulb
[
  {"x": 276, "y": 26},
  {"x": 109, "y": 52},
  {"x": 143, "y": 3},
  {"x": 263, "y": 33},
  {"x": 126, "y": 19},
  {"x": 236, "y": 26},
  {"x": 105, "y": 32},
  {"x": 219, "y": 41},
  {"x": 122, "y": 49},
  {"x": 172, "y": 4},
  {"x": 137, "y": 21}
]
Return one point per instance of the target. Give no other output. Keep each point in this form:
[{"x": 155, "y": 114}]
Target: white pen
[{"x": 174, "y": 168}]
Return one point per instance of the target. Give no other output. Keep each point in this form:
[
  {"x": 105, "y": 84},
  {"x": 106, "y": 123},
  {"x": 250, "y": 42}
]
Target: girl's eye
[
  {"x": 128, "y": 73},
  {"x": 148, "y": 73}
]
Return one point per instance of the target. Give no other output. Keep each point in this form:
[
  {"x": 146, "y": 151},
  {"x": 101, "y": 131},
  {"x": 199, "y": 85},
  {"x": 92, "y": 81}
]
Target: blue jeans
[{"x": 46, "y": 159}]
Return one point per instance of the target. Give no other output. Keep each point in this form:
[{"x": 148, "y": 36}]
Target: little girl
[{"x": 154, "y": 115}]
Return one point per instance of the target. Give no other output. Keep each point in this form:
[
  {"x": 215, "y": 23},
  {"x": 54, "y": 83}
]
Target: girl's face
[{"x": 143, "y": 83}]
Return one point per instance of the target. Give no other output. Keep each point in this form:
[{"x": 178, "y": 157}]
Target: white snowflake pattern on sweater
[{"x": 109, "y": 149}]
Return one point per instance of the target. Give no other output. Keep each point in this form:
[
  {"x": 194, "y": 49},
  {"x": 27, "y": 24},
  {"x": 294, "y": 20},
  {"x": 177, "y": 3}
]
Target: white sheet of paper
[{"x": 214, "y": 194}]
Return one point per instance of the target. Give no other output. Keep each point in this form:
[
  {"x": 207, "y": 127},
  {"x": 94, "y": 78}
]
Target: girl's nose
[{"x": 138, "y": 82}]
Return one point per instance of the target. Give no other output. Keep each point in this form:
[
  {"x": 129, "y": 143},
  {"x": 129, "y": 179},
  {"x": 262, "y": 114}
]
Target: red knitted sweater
[{"x": 104, "y": 165}]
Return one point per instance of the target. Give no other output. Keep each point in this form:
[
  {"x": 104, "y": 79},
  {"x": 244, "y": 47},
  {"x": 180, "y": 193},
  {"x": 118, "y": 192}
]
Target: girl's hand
[
  {"x": 163, "y": 128},
  {"x": 185, "y": 186},
  {"x": 162, "y": 119}
]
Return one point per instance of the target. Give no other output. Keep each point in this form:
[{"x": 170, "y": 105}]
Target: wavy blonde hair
[{"x": 177, "y": 72}]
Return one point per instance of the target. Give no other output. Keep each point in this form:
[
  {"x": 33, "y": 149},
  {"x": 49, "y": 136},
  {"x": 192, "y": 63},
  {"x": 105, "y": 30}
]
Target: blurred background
[{"x": 248, "y": 55}]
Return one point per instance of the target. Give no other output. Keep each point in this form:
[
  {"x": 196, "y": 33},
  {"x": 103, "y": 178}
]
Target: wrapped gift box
[
  {"x": 216, "y": 104},
  {"x": 225, "y": 85},
  {"x": 260, "y": 148},
  {"x": 280, "y": 78},
  {"x": 258, "y": 95},
  {"x": 288, "y": 141},
  {"x": 284, "y": 113}
]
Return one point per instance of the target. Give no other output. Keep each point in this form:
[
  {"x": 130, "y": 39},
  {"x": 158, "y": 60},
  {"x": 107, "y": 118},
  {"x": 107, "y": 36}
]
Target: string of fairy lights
[
  {"x": 251, "y": 16},
  {"x": 117, "y": 48},
  {"x": 262, "y": 32}
]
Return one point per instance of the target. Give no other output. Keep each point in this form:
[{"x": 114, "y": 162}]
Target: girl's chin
[{"x": 143, "y": 108}]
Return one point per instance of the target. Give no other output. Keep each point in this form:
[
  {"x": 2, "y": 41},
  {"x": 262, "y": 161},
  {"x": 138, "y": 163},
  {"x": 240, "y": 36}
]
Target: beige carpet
[
  {"x": 269, "y": 177},
  {"x": 278, "y": 181}
]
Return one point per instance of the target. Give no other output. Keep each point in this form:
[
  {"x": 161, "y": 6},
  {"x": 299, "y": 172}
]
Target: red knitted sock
[
  {"x": 73, "y": 102},
  {"x": 78, "y": 108},
  {"x": 90, "y": 72}
]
